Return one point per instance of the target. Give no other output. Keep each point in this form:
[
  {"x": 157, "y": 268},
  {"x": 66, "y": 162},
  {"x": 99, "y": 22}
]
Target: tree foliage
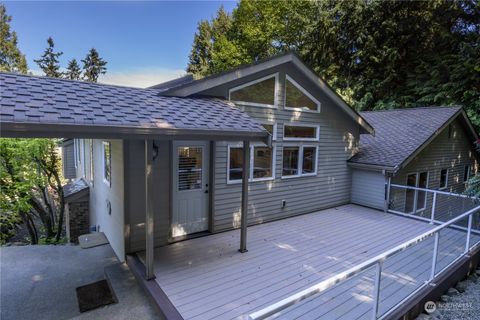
[
  {"x": 74, "y": 72},
  {"x": 49, "y": 61},
  {"x": 31, "y": 187},
  {"x": 376, "y": 54},
  {"x": 93, "y": 66},
  {"x": 11, "y": 59}
]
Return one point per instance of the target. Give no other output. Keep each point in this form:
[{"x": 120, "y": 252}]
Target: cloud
[{"x": 141, "y": 78}]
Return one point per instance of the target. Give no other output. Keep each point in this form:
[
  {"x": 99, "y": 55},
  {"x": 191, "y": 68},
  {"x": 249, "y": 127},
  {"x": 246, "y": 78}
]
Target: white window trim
[
  {"x": 250, "y": 174},
  {"x": 107, "y": 182},
  {"x": 417, "y": 185},
  {"x": 274, "y": 129},
  {"x": 446, "y": 180},
  {"x": 253, "y": 104},
  {"x": 469, "y": 174},
  {"x": 304, "y": 91},
  {"x": 300, "y": 162},
  {"x": 294, "y": 124}
]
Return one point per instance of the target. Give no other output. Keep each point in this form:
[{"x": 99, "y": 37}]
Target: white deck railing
[{"x": 379, "y": 260}]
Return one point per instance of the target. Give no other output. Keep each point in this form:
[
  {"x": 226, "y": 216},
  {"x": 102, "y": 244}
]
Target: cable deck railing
[{"x": 458, "y": 222}]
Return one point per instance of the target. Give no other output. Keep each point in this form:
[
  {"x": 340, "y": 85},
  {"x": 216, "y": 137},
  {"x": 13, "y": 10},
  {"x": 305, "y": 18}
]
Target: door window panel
[
  {"x": 189, "y": 168},
  {"x": 422, "y": 195},
  {"x": 410, "y": 194}
]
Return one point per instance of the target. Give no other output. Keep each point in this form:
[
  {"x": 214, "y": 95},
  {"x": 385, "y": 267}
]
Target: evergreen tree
[
  {"x": 49, "y": 62},
  {"x": 11, "y": 59},
  {"x": 73, "y": 70},
  {"x": 93, "y": 66},
  {"x": 375, "y": 54}
]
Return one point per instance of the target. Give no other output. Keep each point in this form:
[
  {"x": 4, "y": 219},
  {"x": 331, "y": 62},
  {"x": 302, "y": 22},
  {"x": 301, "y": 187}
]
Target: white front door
[{"x": 190, "y": 187}]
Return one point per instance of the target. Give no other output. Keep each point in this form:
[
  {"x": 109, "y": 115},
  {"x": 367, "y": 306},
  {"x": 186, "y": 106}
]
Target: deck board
[{"x": 207, "y": 278}]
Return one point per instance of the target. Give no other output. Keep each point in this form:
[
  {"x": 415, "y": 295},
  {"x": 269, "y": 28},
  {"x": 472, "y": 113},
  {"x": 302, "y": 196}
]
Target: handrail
[
  {"x": 377, "y": 260},
  {"x": 435, "y": 191}
]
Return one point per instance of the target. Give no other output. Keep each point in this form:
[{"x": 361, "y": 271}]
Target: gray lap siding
[
  {"x": 443, "y": 153},
  {"x": 331, "y": 186}
]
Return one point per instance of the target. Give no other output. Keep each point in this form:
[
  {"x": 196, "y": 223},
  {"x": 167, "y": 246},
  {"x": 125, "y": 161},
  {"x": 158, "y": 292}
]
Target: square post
[
  {"x": 244, "y": 209},
  {"x": 387, "y": 193},
  {"x": 149, "y": 220}
]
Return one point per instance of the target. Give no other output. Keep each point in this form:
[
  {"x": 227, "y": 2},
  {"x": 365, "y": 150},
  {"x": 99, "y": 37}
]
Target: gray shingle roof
[
  {"x": 399, "y": 133},
  {"x": 42, "y": 100}
]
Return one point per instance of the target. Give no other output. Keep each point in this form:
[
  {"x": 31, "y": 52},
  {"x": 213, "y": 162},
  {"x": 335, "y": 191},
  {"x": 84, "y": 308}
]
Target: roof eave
[
  {"x": 69, "y": 130},
  {"x": 371, "y": 167}
]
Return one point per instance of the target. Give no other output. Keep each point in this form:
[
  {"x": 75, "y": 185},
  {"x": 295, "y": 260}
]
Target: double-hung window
[
  {"x": 107, "y": 163},
  {"x": 262, "y": 163}
]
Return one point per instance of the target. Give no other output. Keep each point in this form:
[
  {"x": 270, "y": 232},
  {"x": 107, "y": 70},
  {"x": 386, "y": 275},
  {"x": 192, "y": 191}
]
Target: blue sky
[{"x": 143, "y": 42}]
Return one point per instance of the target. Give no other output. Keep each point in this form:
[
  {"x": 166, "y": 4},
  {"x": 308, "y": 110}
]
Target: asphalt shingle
[
  {"x": 399, "y": 133},
  {"x": 31, "y": 99}
]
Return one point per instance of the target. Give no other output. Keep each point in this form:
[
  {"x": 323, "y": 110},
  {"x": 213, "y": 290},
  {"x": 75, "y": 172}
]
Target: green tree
[
  {"x": 11, "y": 59},
  {"x": 73, "y": 70},
  {"x": 49, "y": 62},
  {"x": 93, "y": 66},
  {"x": 32, "y": 187},
  {"x": 376, "y": 54}
]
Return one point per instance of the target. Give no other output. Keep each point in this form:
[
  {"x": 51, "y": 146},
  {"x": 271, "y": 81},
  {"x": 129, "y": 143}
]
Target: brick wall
[{"x": 78, "y": 220}]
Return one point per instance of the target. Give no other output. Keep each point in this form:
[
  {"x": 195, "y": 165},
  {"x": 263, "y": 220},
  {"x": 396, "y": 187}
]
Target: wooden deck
[{"x": 207, "y": 278}]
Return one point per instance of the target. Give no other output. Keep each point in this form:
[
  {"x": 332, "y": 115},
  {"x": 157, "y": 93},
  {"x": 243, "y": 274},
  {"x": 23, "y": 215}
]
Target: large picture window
[
  {"x": 107, "y": 163},
  {"x": 262, "y": 163},
  {"x": 297, "y": 98},
  {"x": 299, "y": 161},
  {"x": 261, "y": 92},
  {"x": 300, "y": 132}
]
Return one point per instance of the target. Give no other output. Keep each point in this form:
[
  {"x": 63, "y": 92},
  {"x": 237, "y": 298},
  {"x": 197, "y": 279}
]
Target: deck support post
[
  {"x": 244, "y": 210},
  {"x": 149, "y": 220}
]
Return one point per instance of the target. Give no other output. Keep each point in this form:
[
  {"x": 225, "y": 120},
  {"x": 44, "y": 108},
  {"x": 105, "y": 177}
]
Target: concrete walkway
[{"x": 38, "y": 282}]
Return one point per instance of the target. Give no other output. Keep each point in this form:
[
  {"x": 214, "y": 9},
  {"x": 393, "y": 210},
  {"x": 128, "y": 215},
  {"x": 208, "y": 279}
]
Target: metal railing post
[
  {"x": 469, "y": 232},
  {"x": 434, "y": 204},
  {"x": 376, "y": 290},
  {"x": 435, "y": 255}
]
